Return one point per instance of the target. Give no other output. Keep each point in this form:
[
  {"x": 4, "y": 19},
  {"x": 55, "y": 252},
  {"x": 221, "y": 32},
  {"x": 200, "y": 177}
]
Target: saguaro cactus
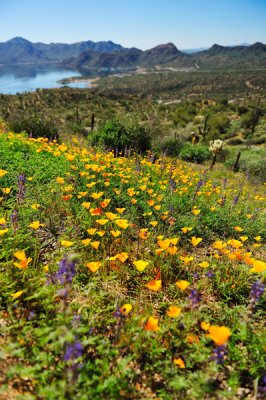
[
  {"x": 203, "y": 131},
  {"x": 256, "y": 114}
]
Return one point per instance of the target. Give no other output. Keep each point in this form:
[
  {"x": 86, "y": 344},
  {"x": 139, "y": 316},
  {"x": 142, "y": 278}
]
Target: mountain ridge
[{"x": 110, "y": 55}]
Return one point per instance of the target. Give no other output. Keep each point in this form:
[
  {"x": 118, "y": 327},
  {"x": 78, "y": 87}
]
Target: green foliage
[
  {"x": 172, "y": 147},
  {"x": 195, "y": 153},
  {"x": 118, "y": 137},
  {"x": 35, "y": 126}
]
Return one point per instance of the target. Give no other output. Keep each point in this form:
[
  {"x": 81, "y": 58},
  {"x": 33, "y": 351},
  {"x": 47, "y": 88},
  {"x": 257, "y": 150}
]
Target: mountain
[
  {"x": 109, "y": 55},
  {"x": 160, "y": 55},
  {"x": 20, "y": 51},
  {"x": 218, "y": 57}
]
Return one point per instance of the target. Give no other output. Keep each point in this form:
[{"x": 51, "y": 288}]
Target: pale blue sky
[{"x": 136, "y": 23}]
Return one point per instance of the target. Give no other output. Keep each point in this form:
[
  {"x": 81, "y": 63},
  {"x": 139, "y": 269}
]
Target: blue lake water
[{"x": 25, "y": 78}]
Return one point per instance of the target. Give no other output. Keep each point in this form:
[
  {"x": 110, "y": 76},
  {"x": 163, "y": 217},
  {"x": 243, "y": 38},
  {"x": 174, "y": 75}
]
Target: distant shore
[{"x": 90, "y": 82}]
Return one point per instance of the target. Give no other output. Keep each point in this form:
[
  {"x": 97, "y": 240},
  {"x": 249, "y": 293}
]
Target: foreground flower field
[{"x": 126, "y": 277}]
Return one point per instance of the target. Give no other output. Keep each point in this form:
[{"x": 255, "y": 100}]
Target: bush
[
  {"x": 171, "y": 147},
  {"x": 35, "y": 126},
  {"x": 195, "y": 153},
  {"x": 116, "y": 136}
]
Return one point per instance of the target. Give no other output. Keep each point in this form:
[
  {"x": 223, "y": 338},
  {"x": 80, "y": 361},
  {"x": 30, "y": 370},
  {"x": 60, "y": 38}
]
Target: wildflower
[
  {"x": 204, "y": 264},
  {"x": 140, "y": 265},
  {"x": 219, "y": 334},
  {"x": 219, "y": 354},
  {"x": 205, "y": 325},
  {"x": 122, "y": 257},
  {"x": 86, "y": 204},
  {"x": 93, "y": 265},
  {"x": 152, "y": 324},
  {"x": 194, "y": 297},
  {"x": 60, "y": 180},
  {"x": 2, "y": 172},
  {"x": 95, "y": 245},
  {"x": 173, "y": 311},
  {"x": 186, "y": 229},
  {"x": 195, "y": 241},
  {"x": 66, "y": 243},
  {"x": 73, "y": 351},
  {"x": 186, "y": 259},
  {"x": 115, "y": 234},
  {"x": 35, "y": 225},
  {"x": 182, "y": 285},
  {"x": 2, "y": 221},
  {"x": 144, "y": 233},
  {"x": 195, "y": 211},
  {"x": 154, "y": 285},
  {"x": 86, "y": 242},
  {"x": 257, "y": 291},
  {"x": 238, "y": 229},
  {"x": 67, "y": 269},
  {"x": 102, "y": 221},
  {"x": 192, "y": 339},
  {"x": 258, "y": 266},
  {"x": 96, "y": 196},
  {"x": 3, "y": 231},
  {"x": 120, "y": 210},
  {"x": 125, "y": 309},
  {"x": 91, "y": 231},
  {"x": 179, "y": 362},
  {"x": 105, "y": 203},
  {"x": 122, "y": 223},
  {"x": 35, "y": 206},
  {"x": 24, "y": 261},
  {"x": 17, "y": 294},
  {"x": 6, "y": 190},
  {"x": 111, "y": 215},
  {"x": 96, "y": 211}
]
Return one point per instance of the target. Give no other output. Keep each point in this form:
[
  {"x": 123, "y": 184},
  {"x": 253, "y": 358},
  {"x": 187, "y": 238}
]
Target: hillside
[
  {"x": 19, "y": 50},
  {"x": 100, "y": 55},
  {"x": 126, "y": 277}
]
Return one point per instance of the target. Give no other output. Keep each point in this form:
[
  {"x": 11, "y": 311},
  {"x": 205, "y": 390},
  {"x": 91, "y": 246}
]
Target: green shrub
[
  {"x": 35, "y": 126},
  {"x": 195, "y": 153},
  {"x": 117, "y": 137},
  {"x": 172, "y": 147}
]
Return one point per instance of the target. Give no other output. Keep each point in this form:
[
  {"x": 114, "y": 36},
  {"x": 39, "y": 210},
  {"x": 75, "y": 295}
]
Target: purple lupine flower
[
  {"x": 63, "y": 293},
  {"x": 118, "y": 314},
  {"x": 172, "y": 184},
  {"x": 256, "y": 292},
  {"x": 223, "y": 200},
  {"x": 31, "y": 315},
  {"x": 21, "y": 187},
  {"x": 14, "y": 220},
  {"x": 236, "y": 198},
  {"x": 67, "y": 270},
  {"x": 73, "y": 351},
  {"x": 210, "y": 274},
  {"x": 224, "y": 182},
  {"x": 194, "y": 297},
  {"x": 219, "y": 354},
  {"x": 195, "y": 275}
]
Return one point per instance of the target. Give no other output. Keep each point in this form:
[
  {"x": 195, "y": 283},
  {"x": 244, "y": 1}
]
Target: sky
[{"x": 136, "y": 23}]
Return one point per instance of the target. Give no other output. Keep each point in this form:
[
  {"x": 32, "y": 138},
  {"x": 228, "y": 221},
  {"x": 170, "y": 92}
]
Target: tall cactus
[
  {"x": 256, "y": 114},
  {"x": 203, "y": 131}
]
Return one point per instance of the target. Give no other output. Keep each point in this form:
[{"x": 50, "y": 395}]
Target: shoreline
[{"x": 90, "y": 82}]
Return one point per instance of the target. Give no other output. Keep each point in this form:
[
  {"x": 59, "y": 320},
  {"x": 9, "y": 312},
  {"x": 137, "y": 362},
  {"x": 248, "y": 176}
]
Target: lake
[{"x": 24, "y": 78}]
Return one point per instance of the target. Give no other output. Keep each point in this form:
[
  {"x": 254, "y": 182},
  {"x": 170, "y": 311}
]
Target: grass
[{"x": 81, "y": 319}]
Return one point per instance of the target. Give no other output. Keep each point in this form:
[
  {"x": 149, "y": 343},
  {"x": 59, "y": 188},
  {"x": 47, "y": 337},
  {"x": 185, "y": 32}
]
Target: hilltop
[{"x": 109, "y": 55}]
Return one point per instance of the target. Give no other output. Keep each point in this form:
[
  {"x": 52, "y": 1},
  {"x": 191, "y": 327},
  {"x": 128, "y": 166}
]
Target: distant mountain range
[{"x": 109, "y": 55}]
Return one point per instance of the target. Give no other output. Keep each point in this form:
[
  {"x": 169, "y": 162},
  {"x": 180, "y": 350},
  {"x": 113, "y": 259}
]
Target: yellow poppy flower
[
  {"x": 125, "y": 309},
  {"x": 17, "y": 294},
  {"x": 152, "y": 324},
  {"x": 195, "y": 241},
  {"x": 182, "y": 285},
  {"x": 154, "y": 285},
  {"x": 140, "y": 265},
  {"x": 219, "y": 334},
  {"x": 66, "y": 243},
  {"x": 35, "y": 225},
  {"x": 93, "y": 266},
  {"x": 179, "y": 362},
  {"x": 173, "y": 311}
]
